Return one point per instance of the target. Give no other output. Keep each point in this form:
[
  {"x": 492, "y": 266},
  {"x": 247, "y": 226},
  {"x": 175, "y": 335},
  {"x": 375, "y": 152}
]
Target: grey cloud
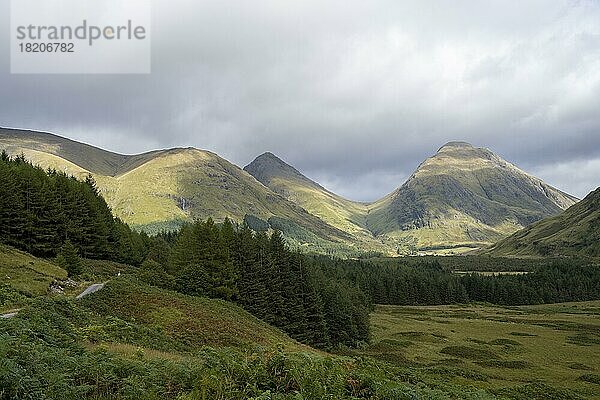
[{"x": 355, "y": 94}]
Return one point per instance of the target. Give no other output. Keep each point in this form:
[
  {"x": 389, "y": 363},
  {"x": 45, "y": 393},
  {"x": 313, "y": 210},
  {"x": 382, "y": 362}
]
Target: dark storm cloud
[{"x": 355, "y": 94}]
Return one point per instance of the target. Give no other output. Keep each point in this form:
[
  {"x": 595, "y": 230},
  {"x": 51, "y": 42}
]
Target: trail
[
  {"x": 10, "y": 314},
  {"x": 90, "y": 289}
]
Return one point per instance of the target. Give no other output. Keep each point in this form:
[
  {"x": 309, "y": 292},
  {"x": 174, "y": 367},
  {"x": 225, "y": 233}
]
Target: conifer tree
[
  {"x": 68, "y": 259},
  {"x": 40, "y": 210},
  {"x": 12, "y": 222},
  {"x": 254, "y": 295}
]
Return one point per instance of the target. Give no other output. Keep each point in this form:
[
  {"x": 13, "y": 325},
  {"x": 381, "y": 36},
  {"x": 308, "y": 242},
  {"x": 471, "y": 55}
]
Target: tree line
[
  {"x": 261, "y": 273},
  {"x": 426, "y": 282},
  {"x": 42, "y": 210}
]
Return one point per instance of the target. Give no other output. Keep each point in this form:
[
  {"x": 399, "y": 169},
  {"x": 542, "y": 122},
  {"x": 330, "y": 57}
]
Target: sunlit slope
[
  {"x": 183, "y": 183},
  {"x": 161, "y": 189},
  {"x": 88, "y": 157},
  {"x": 284, "y": 179},
  {"x": 464, "y": 195},
  {"x": 185, "y": 322},
  {"x": 27, "y": 274},
  {"x": 576, "y": 231}
]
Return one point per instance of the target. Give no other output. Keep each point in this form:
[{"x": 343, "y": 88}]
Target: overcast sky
[{"x": 353, "y": 93}]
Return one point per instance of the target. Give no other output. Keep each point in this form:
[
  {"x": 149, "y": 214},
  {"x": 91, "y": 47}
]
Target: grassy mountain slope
[
  {"x": 26, "y": 273},
  {"x": 187, "y": 322},
  {"x": 576, "y": 231},
  {"x": 87, "y": 157},
  {"x": 344, "y": 214},
  {"x": 464, "y": 195},
  {"x": 162, "y": 188},
  {"x": 285, "y": 180}
]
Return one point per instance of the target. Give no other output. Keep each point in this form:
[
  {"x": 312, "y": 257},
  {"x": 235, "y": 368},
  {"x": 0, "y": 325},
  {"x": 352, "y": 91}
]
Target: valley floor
[
  {"x": 546, "y": 351},
  {"x": 135, "y": 341},
  {"x": 132, "y": 341}
]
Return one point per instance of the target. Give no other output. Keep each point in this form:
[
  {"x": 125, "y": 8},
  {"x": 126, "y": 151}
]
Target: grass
[
  {"x": 192, "y": 321},
  {"x": 26, "y": 274},
  {"x": 130, "y": 340},
  {"x": 574, "y": 232},
  {"x": 106, "y": 346},
  {"x": 25, "y": 277},
  {"x": 553, "y": 347}
]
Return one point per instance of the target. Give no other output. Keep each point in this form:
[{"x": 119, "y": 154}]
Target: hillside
[
  {"x": 464, "y": 195},
  {"x": 26, "y": 273},
  {"x": 287, "y": 181},
  {"x": 188, "y": 323},
  {"x": 160, "y": 189},
  {"x": 575, "y": 232},
  {"x": 460, "y": 198}
]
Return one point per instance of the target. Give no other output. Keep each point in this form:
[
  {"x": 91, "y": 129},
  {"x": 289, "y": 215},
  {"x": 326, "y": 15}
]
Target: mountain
[
  {"x": 576, "y": 231},
  {"x": 160, "y": 189},
  {"x": 464, "y": 195},
  {"x": 49, "y": 148},
  {"x": 287, "y": 181},
  {"x": 346, "y": 215},
  {"x": 460, "y": 198}
]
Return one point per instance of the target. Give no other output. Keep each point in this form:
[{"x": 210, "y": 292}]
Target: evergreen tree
[
  {"x": 68, "y": 259},
  {"x": 40, "y": 210},
  {"x": 160, "y": 252},
  {"x": 253, "y": 293}
]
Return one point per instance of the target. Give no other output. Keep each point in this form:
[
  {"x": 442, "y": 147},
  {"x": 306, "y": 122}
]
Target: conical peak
[
  {"x": 456, "y": 145},
  {"x": 269, "y": 161},
  {"x": 268, "y": 156}
]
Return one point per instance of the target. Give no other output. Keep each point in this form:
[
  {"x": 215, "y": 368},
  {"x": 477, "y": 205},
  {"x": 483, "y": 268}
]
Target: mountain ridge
[
  {"x": 162, "y": 189},
  {"x": 104, "y": 161},
  {"x": 461, "y": 197},
  {"x": 574, "y": 232}
]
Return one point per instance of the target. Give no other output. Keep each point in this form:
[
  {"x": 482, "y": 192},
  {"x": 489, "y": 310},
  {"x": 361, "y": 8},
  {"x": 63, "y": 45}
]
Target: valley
[
  {"x": 133, "y": 340},
  {"x": 300, "y": 200},
  {"x": 289, "y": 292},
  {"x": 500, "y": 349}
]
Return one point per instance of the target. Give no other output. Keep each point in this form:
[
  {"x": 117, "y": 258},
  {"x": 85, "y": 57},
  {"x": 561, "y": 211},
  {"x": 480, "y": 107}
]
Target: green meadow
[{"x": 546, "y": 351}]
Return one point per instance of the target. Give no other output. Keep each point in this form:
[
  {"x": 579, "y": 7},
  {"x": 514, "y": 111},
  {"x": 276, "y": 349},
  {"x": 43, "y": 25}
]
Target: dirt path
[{"x": 90, "y": 289}]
